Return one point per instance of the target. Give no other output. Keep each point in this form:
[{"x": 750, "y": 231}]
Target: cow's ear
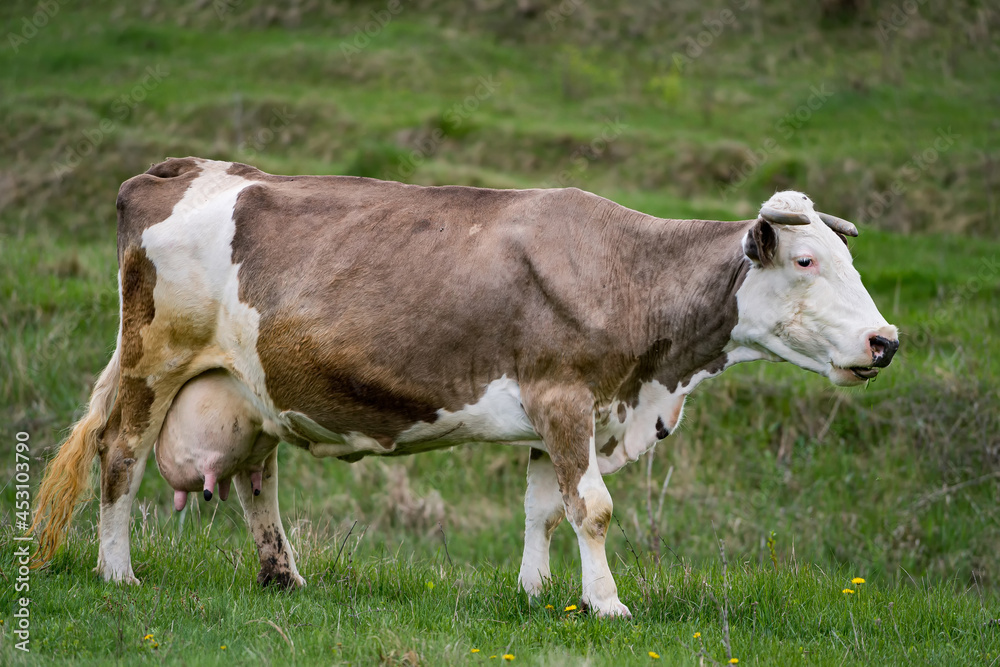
[{"x": 761, "y": 243}]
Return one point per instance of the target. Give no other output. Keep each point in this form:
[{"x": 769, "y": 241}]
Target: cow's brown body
[{"x": 382, "y": 303}]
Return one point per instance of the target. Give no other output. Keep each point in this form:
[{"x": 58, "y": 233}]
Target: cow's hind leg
[
  {"x": 543, "y": 511},
  {"x": 121, "y": 475},
  {"x": 277, "y": 564},
  {"x": 123, "y": 449}
]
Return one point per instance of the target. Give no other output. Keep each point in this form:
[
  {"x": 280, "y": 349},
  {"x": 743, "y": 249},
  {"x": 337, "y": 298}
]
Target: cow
[{"x": 353, "y": 317}]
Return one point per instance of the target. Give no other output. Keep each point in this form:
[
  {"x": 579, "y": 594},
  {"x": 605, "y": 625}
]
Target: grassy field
[
  {"x": 888, "y": 119},
  {"x": 198, "y": 605}
]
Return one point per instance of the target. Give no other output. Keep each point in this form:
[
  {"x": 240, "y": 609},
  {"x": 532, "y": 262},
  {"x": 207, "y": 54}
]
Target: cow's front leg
[
  {"x": 564, "y": 416},
  {"x": 543, "y": 511},
  {"x": 277, "y": 564}
]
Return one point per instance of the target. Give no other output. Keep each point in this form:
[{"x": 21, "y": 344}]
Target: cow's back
[{"x": 370, "y": 305}]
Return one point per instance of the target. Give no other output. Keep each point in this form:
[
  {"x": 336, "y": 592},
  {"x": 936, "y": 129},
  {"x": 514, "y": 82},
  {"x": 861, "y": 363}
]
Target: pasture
[{"x": 885, "y": 118}]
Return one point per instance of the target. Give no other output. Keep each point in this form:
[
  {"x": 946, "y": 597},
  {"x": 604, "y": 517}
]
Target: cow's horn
[
  {"x": 783, "y": 217},
  {"x": 839, "y": 224}
]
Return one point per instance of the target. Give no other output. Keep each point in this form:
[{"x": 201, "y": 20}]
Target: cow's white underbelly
[{"x": 498, "y": 416}]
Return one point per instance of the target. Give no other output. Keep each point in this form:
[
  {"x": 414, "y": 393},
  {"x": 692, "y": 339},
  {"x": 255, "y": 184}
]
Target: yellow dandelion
[
  {"x": 508, "y": 656},
  {"x": 654, "y": 655},
  {"x": 857, "y": 580},
  {"x": 223, "y": 647},
  {"x": 430, "y": 585},
  {"x": 475, "y": 650},
  {"x": 697, "y": 635},
  {"x": 147, "y": 638},
  {"x": 849, "y": 591},
  {"x": 492, "y": 656},
  {"x": 572, "y": 607},
  {"x": 548, "y": 606},
  {"x": 733, "y": 661}
]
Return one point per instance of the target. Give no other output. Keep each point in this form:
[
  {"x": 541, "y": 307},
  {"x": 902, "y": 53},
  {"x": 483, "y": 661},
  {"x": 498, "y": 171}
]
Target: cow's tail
[{"x": 67, "y": 477}]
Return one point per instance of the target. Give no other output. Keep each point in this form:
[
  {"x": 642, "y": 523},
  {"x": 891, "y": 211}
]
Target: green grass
[
  {"x": 896, "y": 483},
  {"x": 371, "y": 606}
]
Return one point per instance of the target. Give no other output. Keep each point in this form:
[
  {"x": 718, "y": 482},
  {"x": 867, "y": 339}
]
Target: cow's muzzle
[{"x": 883, "y": 349}]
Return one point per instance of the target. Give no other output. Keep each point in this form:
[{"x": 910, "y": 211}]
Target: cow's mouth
[{"x": 863, "y": 372}]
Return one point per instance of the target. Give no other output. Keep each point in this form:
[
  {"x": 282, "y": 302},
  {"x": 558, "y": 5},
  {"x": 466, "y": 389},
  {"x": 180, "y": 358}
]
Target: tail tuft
[{"x": 67, "y": 476}]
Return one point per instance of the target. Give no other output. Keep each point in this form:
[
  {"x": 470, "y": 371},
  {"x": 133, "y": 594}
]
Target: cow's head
[{"x": 803, "y": 301}]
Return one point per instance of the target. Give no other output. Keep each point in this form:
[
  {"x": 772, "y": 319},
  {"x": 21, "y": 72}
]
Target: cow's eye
[{"x": 804, "y": 262}]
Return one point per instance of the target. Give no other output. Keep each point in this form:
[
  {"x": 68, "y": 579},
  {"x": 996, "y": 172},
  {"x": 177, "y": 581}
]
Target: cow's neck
[{"x": 690, "y": 273}]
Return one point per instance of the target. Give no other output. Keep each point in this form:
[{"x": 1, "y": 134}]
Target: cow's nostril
[
  {"x": 883, "y": 350},
  {"x": 877, "y": 345}
]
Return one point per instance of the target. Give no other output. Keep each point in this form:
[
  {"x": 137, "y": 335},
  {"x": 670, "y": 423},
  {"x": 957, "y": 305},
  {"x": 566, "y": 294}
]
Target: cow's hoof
[
  {"x": 533, "y": 586},
  {"x": 281, "y": 579},
  {"x": 612, "y": 609},
  {"x": 117, "y": 577}
]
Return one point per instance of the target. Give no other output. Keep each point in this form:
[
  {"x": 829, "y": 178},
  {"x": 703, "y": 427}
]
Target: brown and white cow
[{"x": 357, "y": 317}]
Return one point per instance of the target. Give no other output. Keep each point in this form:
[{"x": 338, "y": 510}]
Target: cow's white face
[{"x": 803, "y": 301}]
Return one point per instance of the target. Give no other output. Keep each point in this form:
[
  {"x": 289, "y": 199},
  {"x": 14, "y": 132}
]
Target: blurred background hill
[{"x": 851, "y": 94}]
